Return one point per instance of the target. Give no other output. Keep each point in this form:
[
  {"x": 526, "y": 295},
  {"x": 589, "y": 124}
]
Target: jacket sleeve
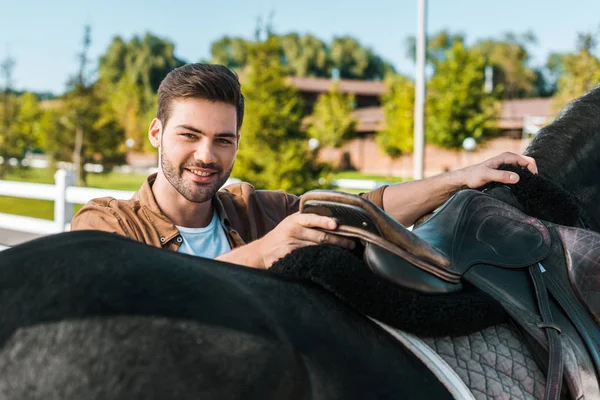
[
  {"x": 375, "y": 196},
  {"x": 99, "y": 215}
]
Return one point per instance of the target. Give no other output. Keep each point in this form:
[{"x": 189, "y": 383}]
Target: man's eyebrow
[{"x": 198, "y": 131}]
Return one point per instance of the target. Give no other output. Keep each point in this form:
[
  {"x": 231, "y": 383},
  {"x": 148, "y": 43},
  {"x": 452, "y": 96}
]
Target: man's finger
[
  {"x": 495, "y": 175},
  {"x": 316, "y": 221},
  {"x": 320, "y": 237},
  {"x": 512, "y": 158}
]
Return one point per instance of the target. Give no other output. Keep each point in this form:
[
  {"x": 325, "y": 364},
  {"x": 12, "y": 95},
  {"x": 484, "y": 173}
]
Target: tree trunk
[{"x": 77, "y": 156}]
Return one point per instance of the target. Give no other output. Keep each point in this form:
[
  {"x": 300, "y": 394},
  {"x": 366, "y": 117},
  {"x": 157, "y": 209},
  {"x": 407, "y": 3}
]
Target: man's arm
[{"x": 408, "y": 201}]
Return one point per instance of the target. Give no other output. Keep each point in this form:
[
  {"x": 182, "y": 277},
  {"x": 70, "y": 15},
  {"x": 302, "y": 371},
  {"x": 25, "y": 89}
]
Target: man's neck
[{"x": 178, "y": 209}]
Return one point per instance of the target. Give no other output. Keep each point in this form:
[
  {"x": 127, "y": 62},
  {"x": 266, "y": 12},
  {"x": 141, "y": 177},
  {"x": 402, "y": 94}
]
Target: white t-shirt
[{"x": 207, "y": 242}]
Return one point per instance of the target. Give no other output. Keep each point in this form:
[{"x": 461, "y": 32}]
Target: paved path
[{"x": 12, "y": 238}]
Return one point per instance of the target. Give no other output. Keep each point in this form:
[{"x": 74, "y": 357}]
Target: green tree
[
  {"x": 509, "y": 58},
  {"x": 273, "y": 151},
  {"x": 230, "y": 51},
  {"x": 355, "y": 61},
  {"x": 580, "y": 71},
  {"x": 131, "y": 73},
  {"x": 458, "y": 106},
  {"x": 305, "y": 55},
  {"x": 331, "y": 121},
  {"x": 398, "y": 102},
  {"x": 83, "y": 120},
  {"x": 437, "y": 45},
  {"x": 27, "y": 125}
]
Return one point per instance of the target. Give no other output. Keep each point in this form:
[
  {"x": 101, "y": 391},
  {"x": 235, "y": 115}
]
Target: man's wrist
[{"x": 249, "y": 255}]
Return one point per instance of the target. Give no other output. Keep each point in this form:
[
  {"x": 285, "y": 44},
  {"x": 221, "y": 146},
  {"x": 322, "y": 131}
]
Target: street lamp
[{"x": 419, "y": 117}]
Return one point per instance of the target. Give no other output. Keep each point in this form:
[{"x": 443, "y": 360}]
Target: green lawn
[
  {"x": 358, "y": 175},
  {"x": 45, "y": 209}
]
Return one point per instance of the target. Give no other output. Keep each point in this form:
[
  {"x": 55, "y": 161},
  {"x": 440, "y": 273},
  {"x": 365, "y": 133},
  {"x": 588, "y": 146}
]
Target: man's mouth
[{"x": 202, "y": 175}]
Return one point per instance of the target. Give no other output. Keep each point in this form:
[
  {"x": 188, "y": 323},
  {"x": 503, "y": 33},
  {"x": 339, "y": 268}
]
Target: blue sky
[{"x": 44, "y": 36}]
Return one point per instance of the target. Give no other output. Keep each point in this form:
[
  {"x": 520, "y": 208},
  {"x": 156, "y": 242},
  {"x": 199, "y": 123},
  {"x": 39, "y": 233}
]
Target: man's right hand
[{"x": 298, "y": 230}]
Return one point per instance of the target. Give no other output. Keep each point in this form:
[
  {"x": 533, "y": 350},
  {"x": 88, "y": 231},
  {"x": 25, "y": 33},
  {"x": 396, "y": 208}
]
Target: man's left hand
[{"x": 480, "y": 174}]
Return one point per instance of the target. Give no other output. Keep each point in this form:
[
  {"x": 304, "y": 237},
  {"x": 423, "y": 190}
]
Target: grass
[
  {"x": 358, "y": 175},
  {"x": 44, "y": 209}
]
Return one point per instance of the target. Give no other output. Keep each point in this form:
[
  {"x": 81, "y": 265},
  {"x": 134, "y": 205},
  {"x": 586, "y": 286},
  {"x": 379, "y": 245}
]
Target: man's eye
[
  {"x": 224, "y": 141},
  {"x": 188, "y": 135}
]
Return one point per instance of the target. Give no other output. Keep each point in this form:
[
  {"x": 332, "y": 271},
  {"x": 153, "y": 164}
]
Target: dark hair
[{"x": 200, "y": 81}]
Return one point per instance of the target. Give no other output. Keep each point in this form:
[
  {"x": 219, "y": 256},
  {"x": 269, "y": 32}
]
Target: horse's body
[{"x": 92, "y": 315}]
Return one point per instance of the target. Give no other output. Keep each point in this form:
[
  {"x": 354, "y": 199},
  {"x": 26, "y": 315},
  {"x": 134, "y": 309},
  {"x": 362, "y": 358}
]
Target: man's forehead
[{"x": 200, "y": 112}]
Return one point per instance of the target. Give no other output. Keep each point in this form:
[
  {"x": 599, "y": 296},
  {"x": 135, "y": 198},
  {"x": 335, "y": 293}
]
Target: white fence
[{"x": 64, "y": 194}]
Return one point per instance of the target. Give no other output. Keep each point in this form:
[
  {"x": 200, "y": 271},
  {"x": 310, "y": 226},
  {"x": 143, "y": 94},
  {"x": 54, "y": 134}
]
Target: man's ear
[{"x": 155, "y": 132}]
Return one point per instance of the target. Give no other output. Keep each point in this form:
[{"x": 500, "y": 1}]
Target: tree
[
  {"x": 458, "y": 106},
  {"x": 273, "y": 151},
  {"x": 355, "y": 61},
  {"x": 580, "y": 71},
  {"x": 230, "y": 51},
  {"x": 8, "y": 112},
  {"x": 332, "y": 122},
  {"x": 509, "y": 58},
  {"x": 131, "y": 73},
  {"x": 436, "y": 47},
  {"x": 398, "y": 101},
  {"x": 83, "y": 126},
  {"x": 305, "y": 55},
  {"x": 84, "y": 110}
]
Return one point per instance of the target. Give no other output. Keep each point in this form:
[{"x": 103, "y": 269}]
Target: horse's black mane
[
  {"x": 540, "y": 198},
  {"x": 568, "y": 151}
]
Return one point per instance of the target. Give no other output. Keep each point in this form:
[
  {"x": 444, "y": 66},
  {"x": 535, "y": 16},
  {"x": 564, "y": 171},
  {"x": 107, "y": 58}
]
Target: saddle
[{"x": 546, "y": 276}]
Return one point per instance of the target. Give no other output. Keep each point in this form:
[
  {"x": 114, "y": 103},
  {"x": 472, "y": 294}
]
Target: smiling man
[{"x": 182, "y": 208}]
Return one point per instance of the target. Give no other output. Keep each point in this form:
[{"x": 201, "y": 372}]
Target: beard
[{"x": 195, "y": 192}]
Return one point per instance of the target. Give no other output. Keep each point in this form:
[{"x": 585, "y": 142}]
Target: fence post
[{"x": 63, "y": 210}]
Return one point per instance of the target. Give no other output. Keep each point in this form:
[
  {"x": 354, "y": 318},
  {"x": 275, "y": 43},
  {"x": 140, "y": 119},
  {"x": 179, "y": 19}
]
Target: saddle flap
[
  {"x": 475, "y": 228},
  {"x": 403, "y": 252}
]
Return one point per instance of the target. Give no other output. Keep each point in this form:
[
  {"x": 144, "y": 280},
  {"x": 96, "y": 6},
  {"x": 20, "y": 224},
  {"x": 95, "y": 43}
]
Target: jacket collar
[{"x": 163, "y": 225}]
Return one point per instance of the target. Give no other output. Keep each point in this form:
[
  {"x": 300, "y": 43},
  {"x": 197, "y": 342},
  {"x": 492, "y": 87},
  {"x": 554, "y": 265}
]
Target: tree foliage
[
  {"x": 579, "y": 71},
  {"x": 331, "y": 121},
  {"x": 509, "y": 58},
  {"x": 84, "y": 109},
  {"x": 130, "y": 73},
  {"x": 457, "y": 105},
  {"x": 398, "y": 108},
  {"x": 308, "y": 56},
  {"x": 273, "y": 151}
]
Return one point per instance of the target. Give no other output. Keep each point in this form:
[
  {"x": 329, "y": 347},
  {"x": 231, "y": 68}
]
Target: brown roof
[{"x": 320, "y": 85}]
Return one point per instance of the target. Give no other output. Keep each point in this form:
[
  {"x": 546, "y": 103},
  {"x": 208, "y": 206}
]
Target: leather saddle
[{"x": 546, "y": 276}]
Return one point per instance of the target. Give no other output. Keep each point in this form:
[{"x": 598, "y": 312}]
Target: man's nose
[{"x": 204, "y": 152}]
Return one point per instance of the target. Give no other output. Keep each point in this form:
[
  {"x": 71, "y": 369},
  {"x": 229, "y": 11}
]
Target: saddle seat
[{"x": 471, "y": 228}]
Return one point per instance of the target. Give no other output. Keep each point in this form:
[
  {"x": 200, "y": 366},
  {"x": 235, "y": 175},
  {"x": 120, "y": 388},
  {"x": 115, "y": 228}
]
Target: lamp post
[{"x": 419, "y": 117}]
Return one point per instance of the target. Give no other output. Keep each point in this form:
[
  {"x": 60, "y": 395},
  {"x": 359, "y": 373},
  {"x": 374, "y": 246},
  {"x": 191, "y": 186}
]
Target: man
[{"x": 197, "y": 131}]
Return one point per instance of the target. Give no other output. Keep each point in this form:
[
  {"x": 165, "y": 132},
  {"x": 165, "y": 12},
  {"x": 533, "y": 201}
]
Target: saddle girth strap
[{"x": 555, "y": 359}]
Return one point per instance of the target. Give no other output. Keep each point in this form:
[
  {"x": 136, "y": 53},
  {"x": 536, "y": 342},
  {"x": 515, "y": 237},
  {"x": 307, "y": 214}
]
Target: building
[{"x": 519, "y": 120}]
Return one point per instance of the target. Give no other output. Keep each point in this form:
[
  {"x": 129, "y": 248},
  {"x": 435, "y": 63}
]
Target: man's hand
[
  {"x": 298, "y": 230},
  {"x": 480, "y": 174}
]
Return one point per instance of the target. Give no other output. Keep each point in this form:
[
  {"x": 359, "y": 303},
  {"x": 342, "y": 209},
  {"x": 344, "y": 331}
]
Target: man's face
[{"x": 198, "y": 147}]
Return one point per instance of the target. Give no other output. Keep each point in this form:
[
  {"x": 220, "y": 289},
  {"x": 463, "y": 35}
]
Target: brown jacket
[{"x": 246, "y": 214}]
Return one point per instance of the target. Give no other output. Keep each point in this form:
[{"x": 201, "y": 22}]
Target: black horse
[{"x": 94, "y": 315}]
